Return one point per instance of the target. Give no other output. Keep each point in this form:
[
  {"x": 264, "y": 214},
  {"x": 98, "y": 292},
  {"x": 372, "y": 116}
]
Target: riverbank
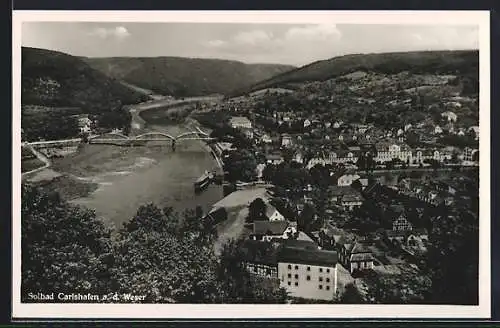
[{"x": 116, "y": 181}]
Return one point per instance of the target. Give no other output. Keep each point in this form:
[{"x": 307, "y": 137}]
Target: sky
[{"x": 292, "y": 44}]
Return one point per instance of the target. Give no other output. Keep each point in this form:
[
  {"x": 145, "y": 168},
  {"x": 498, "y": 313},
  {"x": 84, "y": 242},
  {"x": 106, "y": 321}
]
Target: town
[
  {"x": 349, "y": 180},
  {"x": 330, "y": 217}
]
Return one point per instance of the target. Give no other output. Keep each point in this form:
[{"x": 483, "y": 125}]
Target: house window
[
  {"x": 296, "y": 267},
  {"x": 320, "y": 278},
  {"x": 289, "y": 266},
  {"x": 296, "y": 283},
  {"x": 308, "y": 268},
  {"x": 327, "y": 287},
  {"x": 296, "y": 276},
  {"x": 308, "y": 277},
  {"x": 327, "y": 270},
  {"x": 320, "y": 269},
  {"x": 320, "y": 286},
  {"x": 327, "y": 279},
  {"x": 289, "y": 283},
  {"x": 289, "y": 275}
]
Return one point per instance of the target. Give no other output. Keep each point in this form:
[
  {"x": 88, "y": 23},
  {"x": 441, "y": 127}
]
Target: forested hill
[
  {"x": 55, "y": 86},
  {"x": 462, "y": 62},
  {"x": 55, "y": 79},
  {"x": 183, "y": 77}
]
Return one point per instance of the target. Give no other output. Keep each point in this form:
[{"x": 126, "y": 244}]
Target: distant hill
[
  {"x": 463, "y": 62},
  {"x": 55, "y": 86},
  {"x": 183, "y": 77},
  {"x": 55, "y": 79}
]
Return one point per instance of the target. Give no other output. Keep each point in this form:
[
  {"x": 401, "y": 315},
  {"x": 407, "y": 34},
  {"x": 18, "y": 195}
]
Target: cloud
[
  {"x": 118, "y": 32},
  {"x": 446, "y": 37},
  {"x": 295, "y": 39},
  {"x": 215, "y": 43},
  {"x": 323, "y": 32},
  {"x": 254, "y": 37}
]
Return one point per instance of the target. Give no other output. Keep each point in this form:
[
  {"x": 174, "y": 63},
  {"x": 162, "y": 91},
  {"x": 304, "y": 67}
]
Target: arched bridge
[{"x": 150, "y": 136}]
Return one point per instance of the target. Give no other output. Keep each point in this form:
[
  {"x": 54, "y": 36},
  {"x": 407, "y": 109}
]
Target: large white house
[
  {"x": 388, "y": 152},
  {"x": 240, "y": 122},
  {"x": 308, "y": 272}
]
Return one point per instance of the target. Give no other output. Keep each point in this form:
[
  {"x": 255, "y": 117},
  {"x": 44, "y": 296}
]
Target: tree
[
  {"x": 351, "y": 295},
  {"x": 238, "y": 285},
  {"x": 306, "y": 217},
  {"x": 268, "y": 172},
  {"x": 162, "y": 266},
  {"x": 453, "y": 256},
  {"x": 64, "y": 248},
  {"x": 406, "y": 287},
  {"x": 241, "y": 165},
  {"x": 257, "y": 210}
]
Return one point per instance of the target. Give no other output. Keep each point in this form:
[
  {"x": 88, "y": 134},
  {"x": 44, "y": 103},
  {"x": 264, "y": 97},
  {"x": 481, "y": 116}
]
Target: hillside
[
  {"x": 464, "y": 62},
  {"x": 51, "y": 78},
  {"x": 55, "y": 86},
  {"x": 183, "y": 77}
]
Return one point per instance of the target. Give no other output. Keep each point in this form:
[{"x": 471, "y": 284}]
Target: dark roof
[
  {"x": 274, "y": 157},
  {"x": 396, "y": 233},
  {"x": 342, "y": 190},
  {"x": 299, "y": 244},
  {"x": 352, "y": 198},
  {"x": 360, "y": 248},
  {"x": 274, "y": 227},
  {"x": 307, "y": 256},
  {"x": 361, "y": 257},
  {"x": 258, "y": 252},
  {"x": 419, "y": 232}
]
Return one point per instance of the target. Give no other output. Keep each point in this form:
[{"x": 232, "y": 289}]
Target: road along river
[{"x": 129, "y": 177}]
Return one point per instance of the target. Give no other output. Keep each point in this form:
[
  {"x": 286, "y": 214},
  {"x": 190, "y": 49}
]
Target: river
[{"x": 129, "y": 177}]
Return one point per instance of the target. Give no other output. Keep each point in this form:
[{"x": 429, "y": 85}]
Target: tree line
[{"x": 160, "y": 254}]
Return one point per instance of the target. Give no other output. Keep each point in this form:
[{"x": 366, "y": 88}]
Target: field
[
  {"x": 69, "y": 187},
  {"x": 31, "y": 164}
]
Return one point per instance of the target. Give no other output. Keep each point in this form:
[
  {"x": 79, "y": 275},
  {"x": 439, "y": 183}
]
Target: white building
[
  {"x": 388, "y": 152},
  {"x": 475, "y": 130},
  {"x": 307, "y": 123},
  {"x": 266, "y": 138},
  {"x": 240, "y": 122},
  {"x": 273, "y": 214},
  {"x": 269, "y": 230},
  {"x": 347, "y": 179},
  {"x": 450, "y": 116},
  {"x": 438, "y": 130},
  {"x": 286, "y": 140},
  {"x": 308, "y": 272}
]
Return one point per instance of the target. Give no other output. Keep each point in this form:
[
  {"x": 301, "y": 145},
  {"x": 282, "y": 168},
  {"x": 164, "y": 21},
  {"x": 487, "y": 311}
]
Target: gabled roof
[
  {"x": 308, "y": 256},
  {"x": 352, "y": 198},
  {"x": 359, "y": 248},
  {"x": 274, "y": 157},
  {"x": 361, "y": 257},
  {"x": 299, "y": 244},
  {"x": 342, "y": 190},
  {"x": 419, "y": 232},
  {"x": 272, "y": 227},
  {"x": 270, "y": 209},
  {"x": 393, "y": 233}
]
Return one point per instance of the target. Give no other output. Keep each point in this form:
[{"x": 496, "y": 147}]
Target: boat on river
[{"x": 203, "y": 181}]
